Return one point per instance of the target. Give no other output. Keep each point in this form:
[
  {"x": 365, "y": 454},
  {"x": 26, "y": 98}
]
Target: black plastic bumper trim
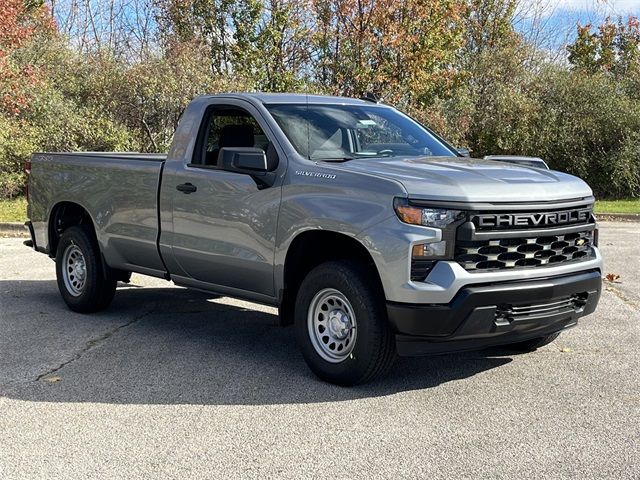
[
  {"x": 33, "y": 245},
  {"x": 471, "y": 320}
]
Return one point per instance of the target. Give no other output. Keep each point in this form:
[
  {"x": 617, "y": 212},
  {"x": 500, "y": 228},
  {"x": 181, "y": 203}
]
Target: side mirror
[
  {"x": 464, "y": 152},
  {"x": 252, "y": 161}
]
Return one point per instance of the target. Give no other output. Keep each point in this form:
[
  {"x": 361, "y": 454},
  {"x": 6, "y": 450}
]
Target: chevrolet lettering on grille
[{"x": 545, "y": 219}]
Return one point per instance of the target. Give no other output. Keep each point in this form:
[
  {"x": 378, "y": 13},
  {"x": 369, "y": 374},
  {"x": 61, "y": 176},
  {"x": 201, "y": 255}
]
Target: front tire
[
  {"x": 84, "y": 285},
  {"x": 341, "y": 324}
]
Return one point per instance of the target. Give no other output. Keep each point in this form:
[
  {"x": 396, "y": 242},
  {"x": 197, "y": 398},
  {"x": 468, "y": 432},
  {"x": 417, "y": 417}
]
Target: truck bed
[{"x": 119, "y": 190}]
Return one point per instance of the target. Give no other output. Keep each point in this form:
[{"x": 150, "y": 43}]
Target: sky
[
  {"x": 591, "y": 10},
  {"x": 618, "y": 6},
  {"x": 557, "y": 19}
]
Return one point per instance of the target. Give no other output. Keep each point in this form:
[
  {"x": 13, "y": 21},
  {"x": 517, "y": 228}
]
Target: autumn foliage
[
  {"x": 19, "y": 23},
  {"x": 116, "y": 76}
]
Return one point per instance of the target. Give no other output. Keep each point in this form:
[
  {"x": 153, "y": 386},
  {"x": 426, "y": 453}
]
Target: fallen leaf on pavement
[{"x": 611, "y": 277}]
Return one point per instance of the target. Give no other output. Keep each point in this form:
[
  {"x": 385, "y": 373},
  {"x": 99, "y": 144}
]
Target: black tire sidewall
[{"x": 371, "y": 322}]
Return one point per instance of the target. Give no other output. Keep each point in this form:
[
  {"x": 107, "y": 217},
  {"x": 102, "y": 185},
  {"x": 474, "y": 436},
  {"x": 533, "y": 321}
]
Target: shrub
[
  {"x": 590, "y": 127},
  {"x": 586, "y": 125},
  {"x": 17, "y": 141}
]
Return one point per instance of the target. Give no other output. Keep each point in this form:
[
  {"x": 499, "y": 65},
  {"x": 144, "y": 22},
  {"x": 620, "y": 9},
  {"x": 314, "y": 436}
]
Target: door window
[{"x": 227, "y": 127}]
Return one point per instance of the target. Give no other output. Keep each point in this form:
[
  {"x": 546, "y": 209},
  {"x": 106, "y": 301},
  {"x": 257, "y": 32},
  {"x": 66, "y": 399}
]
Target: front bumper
[{"x": 491, "y": 314}]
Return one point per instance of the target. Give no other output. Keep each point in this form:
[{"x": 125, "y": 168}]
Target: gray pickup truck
[{"x": 370, "y": 233}]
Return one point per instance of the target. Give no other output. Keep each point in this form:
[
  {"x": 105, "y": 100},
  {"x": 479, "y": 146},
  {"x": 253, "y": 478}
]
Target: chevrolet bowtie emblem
[{"x": 580, "y": 242}]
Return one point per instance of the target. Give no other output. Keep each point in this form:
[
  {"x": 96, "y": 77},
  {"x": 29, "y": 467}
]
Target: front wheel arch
[{"x": 312, "y": 248}]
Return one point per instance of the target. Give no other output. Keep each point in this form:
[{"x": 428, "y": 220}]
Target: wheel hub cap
[
  {"x": 339, "y": 324},
  {"x": 332, "y": 325}
]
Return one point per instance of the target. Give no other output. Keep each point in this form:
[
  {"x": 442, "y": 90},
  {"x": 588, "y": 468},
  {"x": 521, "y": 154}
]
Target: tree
[
  {"x": 613, "y": 48},
  {"x": 403, "y": 50},
  {"x": 126, "y": 29},
  {"x": 266, "y": 43},
  {"x": 204, "y": 22},
  {"x": 282, "y": 46},
  {"x": 20, "y": 22},
  {"x": 489, "y": 25}
]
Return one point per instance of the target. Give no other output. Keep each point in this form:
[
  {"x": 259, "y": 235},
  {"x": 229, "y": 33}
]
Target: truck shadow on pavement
[{"x": 175, "y": 346}]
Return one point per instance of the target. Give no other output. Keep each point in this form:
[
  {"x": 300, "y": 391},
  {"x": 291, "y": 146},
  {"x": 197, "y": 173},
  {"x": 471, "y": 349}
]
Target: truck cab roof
[{"x": 271, "y": 98}]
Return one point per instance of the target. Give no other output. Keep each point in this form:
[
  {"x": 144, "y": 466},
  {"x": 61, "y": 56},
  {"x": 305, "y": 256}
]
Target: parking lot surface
[{"x": 175, "y": 384}]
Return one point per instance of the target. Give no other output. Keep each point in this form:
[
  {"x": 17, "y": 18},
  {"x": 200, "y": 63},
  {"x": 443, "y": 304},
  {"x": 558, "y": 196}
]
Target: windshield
[{"x": 344, "y": 132}]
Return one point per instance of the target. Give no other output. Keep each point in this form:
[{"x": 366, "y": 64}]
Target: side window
[{"x": 227, "y": 127}]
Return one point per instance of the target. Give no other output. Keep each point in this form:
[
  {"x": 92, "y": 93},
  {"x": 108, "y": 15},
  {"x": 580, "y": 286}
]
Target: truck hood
[{"x": 471, "y": 180}]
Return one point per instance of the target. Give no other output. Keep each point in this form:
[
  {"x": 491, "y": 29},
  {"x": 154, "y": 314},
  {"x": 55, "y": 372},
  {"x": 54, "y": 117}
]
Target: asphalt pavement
[{"x": 170, "y": 383}]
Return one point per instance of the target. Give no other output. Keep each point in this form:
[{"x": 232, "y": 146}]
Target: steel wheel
[
  {"x": 341, "y": 323},
  {"x": 332, "y": 325},
  {"x": 74, "y": 270}
]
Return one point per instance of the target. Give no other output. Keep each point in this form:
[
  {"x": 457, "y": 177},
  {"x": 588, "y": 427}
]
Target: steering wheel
[{"x": 386, "y": 152}]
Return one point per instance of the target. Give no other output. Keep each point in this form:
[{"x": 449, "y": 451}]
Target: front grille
[
  {"x": 525, "y": 251},
  {"x": 506, "y": 314}
]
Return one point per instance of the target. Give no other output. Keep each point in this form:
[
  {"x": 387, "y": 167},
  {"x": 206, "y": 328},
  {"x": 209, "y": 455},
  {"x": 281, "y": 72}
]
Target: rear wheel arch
[
  {"x": 312, "y": 248},
  {"x": 64, "y": 215}
]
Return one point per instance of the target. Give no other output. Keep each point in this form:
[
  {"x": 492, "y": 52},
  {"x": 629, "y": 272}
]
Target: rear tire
[
  {"x": 534, "y": 344},
  {"x": 341, "y": 324},
  {"x": 83, "y": 283}
]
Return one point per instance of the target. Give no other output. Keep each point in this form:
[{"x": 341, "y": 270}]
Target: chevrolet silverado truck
[{"x": 372, "y": 235}]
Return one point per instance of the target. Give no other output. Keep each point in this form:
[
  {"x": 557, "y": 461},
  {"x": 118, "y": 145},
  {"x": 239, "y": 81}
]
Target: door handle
[{"x": 186, "y": 188}]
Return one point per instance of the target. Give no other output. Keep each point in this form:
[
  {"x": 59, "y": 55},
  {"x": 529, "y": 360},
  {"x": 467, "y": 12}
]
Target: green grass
[
  {"x": 14, "y": 210},
  {"x": 618, "y": 206}
]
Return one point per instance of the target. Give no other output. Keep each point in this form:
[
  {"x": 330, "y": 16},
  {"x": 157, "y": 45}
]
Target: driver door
[{"x": 224, "y": 223}]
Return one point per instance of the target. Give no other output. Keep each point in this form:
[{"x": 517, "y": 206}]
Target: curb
[
  {"x": 618, "y": 217},
  {"x": 13, "y": 230}
]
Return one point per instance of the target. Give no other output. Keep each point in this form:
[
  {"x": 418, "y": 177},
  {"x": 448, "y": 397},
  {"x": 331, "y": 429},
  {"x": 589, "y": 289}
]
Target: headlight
[
  {"x": 428, "y": 217},
  {"x": 425, "y": 255}
]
